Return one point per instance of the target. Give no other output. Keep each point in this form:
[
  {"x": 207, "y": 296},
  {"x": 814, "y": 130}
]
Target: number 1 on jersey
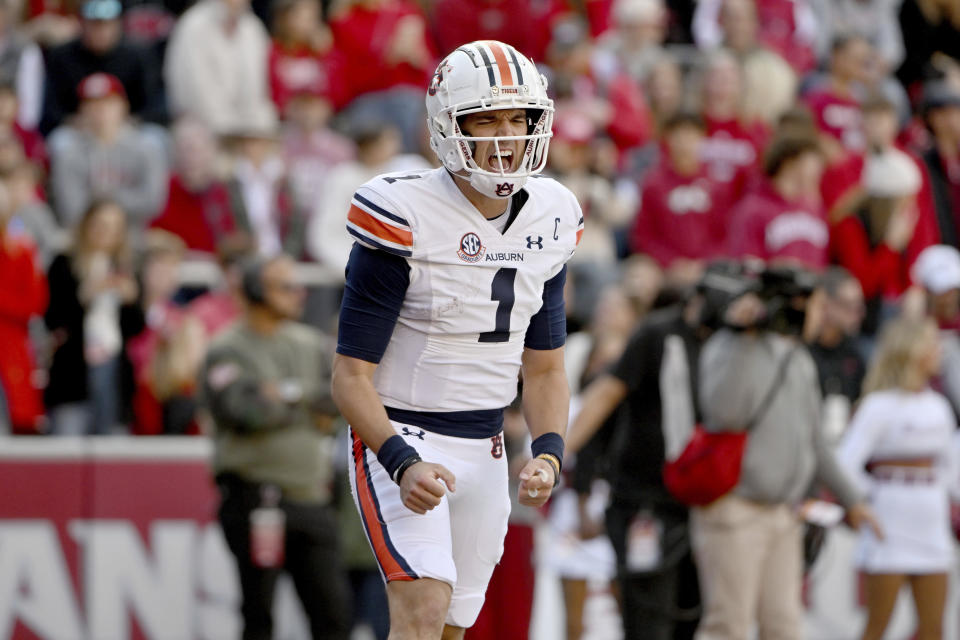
[{"x": 501, "y": 291}]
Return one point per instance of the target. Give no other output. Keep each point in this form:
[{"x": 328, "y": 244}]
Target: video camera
[{"x": 784, "y": 290}]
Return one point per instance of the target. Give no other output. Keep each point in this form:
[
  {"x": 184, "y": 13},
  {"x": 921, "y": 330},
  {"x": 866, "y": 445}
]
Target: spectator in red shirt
[
  {"x": 198, "y": 207},
  {"x": 881, "y": 126},
  {"x": 614, "y": 99},
  {"x": 389, "y": 58},
  {"x": 872, "y": 243},
  {"x": 167, "y": 353},
  {"x": 23, "y": 295},
  {"x": 681, "y": 223},
  {"x": 835, "y": 105},
  {"x": 734, "y": 143},
  {"x": 525, "y": 25},
  {"x": 302, "y": 57},
  {"x": 837, "y": 114},
  {"x": 783, "y": 220}
]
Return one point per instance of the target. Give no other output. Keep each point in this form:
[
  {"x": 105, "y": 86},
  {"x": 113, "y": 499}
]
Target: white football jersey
[{"x": 459, "y": 337}]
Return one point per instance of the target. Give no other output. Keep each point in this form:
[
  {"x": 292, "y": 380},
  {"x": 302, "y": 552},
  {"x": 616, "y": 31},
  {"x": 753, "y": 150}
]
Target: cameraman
[
  {"x": 266, "y": 385},
  {"x": 655, "y": 383},
  {"x": 748, "y": 544}
]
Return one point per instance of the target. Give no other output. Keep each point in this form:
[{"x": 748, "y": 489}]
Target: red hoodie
[
  {"x": 765, "y": 225},
  {"x": 23, "y": 294},
  {"x": 883, "y": 272},
  {"x": 201, "y": 219},
  {"x": 680, "y": 216},
  {"x": 362, "y": 37},
  {"x": 298, "y": 70},
  {"x": 838, "y": 116},
  {"x": 525, "y": 24},
  {"x": 732, "y": 151}
]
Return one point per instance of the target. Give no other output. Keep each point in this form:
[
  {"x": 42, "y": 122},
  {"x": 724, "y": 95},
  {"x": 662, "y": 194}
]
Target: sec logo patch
[{"x": 471, "y": 249}]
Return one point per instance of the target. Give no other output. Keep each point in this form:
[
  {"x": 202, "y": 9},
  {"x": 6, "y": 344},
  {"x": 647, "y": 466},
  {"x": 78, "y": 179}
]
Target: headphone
[{"x": 252, "y": 281}]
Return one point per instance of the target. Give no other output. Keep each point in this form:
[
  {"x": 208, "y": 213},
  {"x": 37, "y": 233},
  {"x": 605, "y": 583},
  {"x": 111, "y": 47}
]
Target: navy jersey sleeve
[
  {"x": 376, "y": 285},
  {"x": 548, "y": 328}
]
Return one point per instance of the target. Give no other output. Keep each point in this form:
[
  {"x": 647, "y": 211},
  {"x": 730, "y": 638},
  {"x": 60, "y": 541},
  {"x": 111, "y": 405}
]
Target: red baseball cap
[{"x": 100, "y": 85}]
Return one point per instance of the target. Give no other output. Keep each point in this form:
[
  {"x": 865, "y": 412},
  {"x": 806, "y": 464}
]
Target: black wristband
[
  {"x": 406, "y": 464},
  {"x": 551, "y": 443},
  {"x": 393, "y": 452}
]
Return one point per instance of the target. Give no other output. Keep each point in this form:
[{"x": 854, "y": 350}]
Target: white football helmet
[{"x": 483, "y": 76}]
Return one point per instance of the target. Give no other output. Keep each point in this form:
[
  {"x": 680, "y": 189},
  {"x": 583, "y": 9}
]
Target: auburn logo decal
[{"x": 497, "y": 449}]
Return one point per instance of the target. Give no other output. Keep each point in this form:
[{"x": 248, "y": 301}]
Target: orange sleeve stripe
[
  {"x": 506, "y": 76},
  {"x": 579, "y": 235},
  {"x": 379, "y": 228},
  {"x": 368, "y": 511}
]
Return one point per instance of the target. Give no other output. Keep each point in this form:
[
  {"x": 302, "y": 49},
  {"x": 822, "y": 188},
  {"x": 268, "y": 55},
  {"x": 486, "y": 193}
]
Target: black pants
[
  {"x": 662, "y": 604},
  {"x": 312, "y": 558}
]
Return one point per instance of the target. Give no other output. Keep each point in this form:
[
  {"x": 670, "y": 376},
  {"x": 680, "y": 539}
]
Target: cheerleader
[{"x": 898, "y": 446}]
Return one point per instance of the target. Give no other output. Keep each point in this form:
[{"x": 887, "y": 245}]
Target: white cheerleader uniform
[{"x": 911, "y": 503}]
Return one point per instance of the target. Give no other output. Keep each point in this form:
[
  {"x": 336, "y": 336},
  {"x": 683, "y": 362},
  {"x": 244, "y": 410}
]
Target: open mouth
[{"x": 502, "y": 162}]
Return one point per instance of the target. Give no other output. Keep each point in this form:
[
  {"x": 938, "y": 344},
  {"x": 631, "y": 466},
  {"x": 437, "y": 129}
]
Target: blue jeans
[
  {"x": 103, "y": 382},
  {"x": 100, "y": 413}
]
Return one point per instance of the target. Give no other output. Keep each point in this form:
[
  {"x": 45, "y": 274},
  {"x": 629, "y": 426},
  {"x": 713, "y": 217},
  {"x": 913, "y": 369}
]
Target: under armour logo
[
  {"x": 407, "y": 432},
  {"x": 497, "y": 449},
  {"x": 504, "y": 189},
  {"x": 531, "y": 242}
]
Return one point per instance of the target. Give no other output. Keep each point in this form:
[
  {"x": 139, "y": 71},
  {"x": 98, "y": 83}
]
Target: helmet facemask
[{"x": 504, "y": 182}]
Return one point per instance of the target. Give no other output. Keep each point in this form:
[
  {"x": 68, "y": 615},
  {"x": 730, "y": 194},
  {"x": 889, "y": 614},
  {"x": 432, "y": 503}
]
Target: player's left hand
[{"x": 536, "y": 483}]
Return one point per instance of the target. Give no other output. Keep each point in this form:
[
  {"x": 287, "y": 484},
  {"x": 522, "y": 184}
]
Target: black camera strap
[{"x": 772, "y": 391}]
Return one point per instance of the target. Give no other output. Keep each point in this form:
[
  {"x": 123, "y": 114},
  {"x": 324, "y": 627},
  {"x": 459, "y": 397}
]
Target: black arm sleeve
[
  {"x": 376, "y": 285},
  {"x": 548, "y": 327}
]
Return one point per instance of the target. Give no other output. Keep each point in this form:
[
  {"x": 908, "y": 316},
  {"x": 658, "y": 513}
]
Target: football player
[{"x": 454, "y": 289}]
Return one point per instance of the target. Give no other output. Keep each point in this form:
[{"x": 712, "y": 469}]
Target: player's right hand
[{"x": 424, "y": 484}]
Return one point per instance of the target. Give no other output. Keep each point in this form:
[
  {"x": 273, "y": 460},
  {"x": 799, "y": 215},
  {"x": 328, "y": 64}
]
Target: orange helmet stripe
[{"x": 506, "y": 75}]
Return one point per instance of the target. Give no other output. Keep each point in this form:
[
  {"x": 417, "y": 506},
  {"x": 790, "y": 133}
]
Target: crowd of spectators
[
  {"x": 805, "y": 130},
  {"x": 136, "y": 136}
]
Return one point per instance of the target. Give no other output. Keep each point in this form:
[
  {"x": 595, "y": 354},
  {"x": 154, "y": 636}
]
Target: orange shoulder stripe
[{"x": 378, "y": 228}]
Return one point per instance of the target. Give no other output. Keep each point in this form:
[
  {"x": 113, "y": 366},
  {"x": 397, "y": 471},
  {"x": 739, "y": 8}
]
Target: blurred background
[{"x": 148, "y": 148}]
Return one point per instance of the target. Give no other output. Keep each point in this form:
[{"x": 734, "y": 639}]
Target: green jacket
[{"x": 260, "y": 437}]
